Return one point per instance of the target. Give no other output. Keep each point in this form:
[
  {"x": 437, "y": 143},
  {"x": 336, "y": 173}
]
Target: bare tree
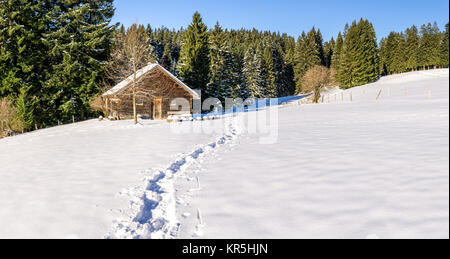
[
  {"x": 131, "y": 51},
  {"x": 316, "y": 79}
]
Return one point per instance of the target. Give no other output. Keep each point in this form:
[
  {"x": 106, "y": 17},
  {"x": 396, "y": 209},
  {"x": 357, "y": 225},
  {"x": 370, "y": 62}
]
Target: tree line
[
  {"x": 414, "y": 49},
  {"x": 54, "y": 57}
]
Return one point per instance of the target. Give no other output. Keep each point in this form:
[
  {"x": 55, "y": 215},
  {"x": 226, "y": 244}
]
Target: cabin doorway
[{"x": 157, "y": 108}]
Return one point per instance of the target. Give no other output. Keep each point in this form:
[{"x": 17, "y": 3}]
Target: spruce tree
[
  {"x": 194, "y": 61},
  {"x": 23, "y": 54},
  {"x": 288, "y": 75},
  {"x": 220, "y": 85},
  {"x": 367, "y": 67},
  {"x": 328, "y": 52},
  {"x": 383, "y": 53},
  {"x": 270, "y": 89},
  {"x": 320, "y": 47},
  {"x": 392, "y": 53},
  {"x": 359, "y": 62},
  {"x": 79, "y": 47},
  {"x": 411, "y": 47},
  {"x": 399, "y": 55},
  {"x": 255, "y": 72},
  {"x": 300, "y": 61},
  {"x": 337, "y": 51},
  {"x": 444, "y": 52},
  {"x": 309, "y": 52},
  {"x": 429, "y": 48}
]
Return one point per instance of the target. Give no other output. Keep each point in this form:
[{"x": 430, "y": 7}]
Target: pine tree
[
  {"x": 444, "y": 52},
  {"x": 238, "y": 86},
  {"x": 367, "y": 67},
  {"x": 23, "y": 53},
  {"x": 392, "y": 53},
  {"x": 411, "y": 47},
  {"x": 300, "y": 61},
  {"x": 288, "y": 76},
  {"x": 359, "y": 62},
  {"x": 399, "y": 55},
  {"x": 429, "y": 48},
  {"x": 220, "y": 85},
  {"x": 79, "y": 47},
  {"x": 337, "y": 51},
  {"x": 270, "y": 90},
  {"x": 255, "y": 72},
  {"x": 309, "y": 52},
  {"x": 194, "y": 61},
  {"x": 25, "y": 109},
  {"x": 328, "y": 52},
  {"x": 319, "y": 46}
]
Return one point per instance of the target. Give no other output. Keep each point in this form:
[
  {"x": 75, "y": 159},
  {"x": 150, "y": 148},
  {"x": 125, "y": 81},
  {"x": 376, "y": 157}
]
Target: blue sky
[{"x": 290, "y": 16}]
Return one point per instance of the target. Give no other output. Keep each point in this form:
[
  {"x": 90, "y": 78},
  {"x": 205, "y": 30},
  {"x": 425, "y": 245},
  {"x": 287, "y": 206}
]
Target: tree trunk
[{"x": 134, "y": 94}]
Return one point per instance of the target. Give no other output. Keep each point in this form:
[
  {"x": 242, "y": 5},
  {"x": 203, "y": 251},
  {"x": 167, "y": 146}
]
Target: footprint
[{"x": 199, "y": 228}]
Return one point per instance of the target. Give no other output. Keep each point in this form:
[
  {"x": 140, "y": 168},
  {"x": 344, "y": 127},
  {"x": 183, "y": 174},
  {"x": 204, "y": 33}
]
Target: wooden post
[
  {"x": 119, "y": 107},
  {"x": 73, "y": 119},
  {"x": 351, "y": 96},
  {"x": 379, "y": 94},
  {"x": 106, "y": 108},
  {"x": 35, "y": 127}
]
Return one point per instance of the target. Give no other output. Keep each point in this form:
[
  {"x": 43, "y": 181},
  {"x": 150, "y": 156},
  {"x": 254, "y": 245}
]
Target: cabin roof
[{"x": 143, "y": 71}]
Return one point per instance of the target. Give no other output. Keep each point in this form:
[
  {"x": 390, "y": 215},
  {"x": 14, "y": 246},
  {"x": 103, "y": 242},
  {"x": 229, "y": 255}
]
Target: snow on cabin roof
[{"x": 122, "y": 85}]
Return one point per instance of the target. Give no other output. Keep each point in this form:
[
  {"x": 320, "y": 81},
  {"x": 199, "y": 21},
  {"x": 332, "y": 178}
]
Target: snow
[
  {"x": 152, "y": 212},
  {"x": 364, "y": 168},
  {"x": 143, "y": 71},
  {"x": 361, "y": 169},
  {"x": 64, "y": 182}
]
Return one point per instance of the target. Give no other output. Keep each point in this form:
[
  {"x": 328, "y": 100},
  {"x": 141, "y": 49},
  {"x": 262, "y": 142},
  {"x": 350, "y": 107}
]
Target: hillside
[
  {"x": 344, "y": 169},
  {"x": 361, "y": 169}
]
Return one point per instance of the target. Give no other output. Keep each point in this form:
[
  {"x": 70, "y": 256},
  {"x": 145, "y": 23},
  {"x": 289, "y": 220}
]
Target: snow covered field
[
  {"x": 362, "y": 169},
  {"x": 64, "y": 182}
]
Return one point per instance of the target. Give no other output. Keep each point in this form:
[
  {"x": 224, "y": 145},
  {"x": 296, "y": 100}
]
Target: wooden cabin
[{"x": 159, "y": 94}]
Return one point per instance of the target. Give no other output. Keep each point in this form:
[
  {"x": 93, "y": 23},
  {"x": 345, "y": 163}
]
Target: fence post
[
  {"x": 73, "y": 119},
  {"x": 379, "y": 94}
]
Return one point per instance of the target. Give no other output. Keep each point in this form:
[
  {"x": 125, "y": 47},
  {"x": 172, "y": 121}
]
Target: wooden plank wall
[{"x": 155, "y": 85}]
